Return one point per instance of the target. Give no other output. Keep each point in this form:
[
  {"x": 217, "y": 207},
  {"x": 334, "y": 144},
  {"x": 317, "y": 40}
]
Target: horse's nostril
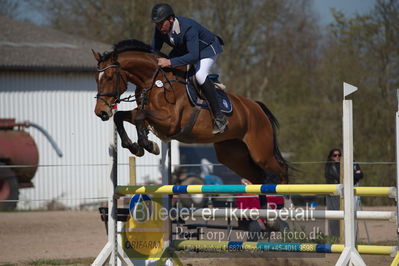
[{"x": 104, "y": 116}]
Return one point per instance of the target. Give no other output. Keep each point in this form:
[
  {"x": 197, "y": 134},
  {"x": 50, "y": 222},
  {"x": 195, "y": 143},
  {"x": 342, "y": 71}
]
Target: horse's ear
[{"x": 97, "y": 56}]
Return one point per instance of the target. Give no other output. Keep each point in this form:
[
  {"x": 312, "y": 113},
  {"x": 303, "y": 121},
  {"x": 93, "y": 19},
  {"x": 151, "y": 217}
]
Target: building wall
[
  {"x": 63, "y": 104},
  {"x": 46, "y": 81}
]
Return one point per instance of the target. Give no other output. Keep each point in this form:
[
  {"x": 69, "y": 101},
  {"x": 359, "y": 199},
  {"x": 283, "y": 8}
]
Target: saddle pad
[{"x": 223, "y": 99}]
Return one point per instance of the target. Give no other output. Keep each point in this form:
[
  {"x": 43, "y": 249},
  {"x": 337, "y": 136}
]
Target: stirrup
[{"x": 220, "y": 124}]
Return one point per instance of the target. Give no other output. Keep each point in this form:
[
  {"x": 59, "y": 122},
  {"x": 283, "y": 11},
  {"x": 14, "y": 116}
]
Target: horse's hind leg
[
  {"x": 235, "y": 155},
  {"x": 260, "y": 147}
]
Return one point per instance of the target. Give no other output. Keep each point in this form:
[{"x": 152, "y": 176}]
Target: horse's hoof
[
  {"x": 139, "y": 151},
  {"x": 134, "y": 148},
  {"x": 155, "y": 149}
]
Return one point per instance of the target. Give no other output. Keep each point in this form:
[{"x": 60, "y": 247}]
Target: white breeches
[{"x": 203, "y": 68}]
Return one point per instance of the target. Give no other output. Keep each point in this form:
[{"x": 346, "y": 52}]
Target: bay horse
[{"x": 248, "y": 146}]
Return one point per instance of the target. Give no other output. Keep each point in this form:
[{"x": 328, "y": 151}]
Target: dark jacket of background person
[{"x": 332, "y": 172}]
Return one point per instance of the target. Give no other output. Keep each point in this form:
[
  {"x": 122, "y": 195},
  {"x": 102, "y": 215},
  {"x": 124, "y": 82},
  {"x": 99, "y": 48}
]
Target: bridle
[{"x": 115, "y": 94}]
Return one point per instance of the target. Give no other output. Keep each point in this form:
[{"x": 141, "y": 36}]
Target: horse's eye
[{"x": 109, "y": 78}]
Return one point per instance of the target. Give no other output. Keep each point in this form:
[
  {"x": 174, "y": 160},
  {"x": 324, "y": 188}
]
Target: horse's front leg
[
  {"x": 142, "y": 133},
  {"x": 130, "y": 117}
]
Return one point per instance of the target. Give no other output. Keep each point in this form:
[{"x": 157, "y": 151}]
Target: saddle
[{"x": 197, "y": 98}]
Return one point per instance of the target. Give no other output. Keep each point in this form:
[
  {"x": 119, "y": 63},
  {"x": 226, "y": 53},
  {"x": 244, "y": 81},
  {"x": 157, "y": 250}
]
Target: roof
[{"x": 25, "y": 46}]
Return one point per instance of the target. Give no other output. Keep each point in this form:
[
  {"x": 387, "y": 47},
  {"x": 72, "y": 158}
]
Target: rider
[{"x": 192, "y": 44}]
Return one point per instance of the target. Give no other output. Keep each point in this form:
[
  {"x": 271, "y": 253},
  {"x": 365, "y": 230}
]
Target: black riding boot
[{"x": 221, "y": 121}]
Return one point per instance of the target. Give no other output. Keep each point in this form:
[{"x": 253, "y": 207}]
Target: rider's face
[{"x": 165, "y": 26}]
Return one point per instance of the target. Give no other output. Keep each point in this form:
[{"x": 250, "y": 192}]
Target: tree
[
  {"x": 101, "y": 20},
  {"x": 9, "y": 8}
]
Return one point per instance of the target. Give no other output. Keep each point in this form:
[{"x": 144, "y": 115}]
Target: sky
[{"x": 321, "y": 7}]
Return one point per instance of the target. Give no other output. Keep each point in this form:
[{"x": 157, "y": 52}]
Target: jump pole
[
  {"x": 203, "y": 245},
  {"x": 350, "y": 255},
  {"x": 294, "y": 189},
  {"x": 288, "y": 214},
  {"x": 166, "y": 169}
]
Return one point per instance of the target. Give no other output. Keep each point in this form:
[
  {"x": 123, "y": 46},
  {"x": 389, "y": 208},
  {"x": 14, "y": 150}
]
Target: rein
[{"x": 158, "y": 84}]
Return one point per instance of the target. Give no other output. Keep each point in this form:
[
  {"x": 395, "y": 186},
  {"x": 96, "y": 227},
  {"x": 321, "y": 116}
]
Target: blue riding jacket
[{"x": 191, "y": 42}]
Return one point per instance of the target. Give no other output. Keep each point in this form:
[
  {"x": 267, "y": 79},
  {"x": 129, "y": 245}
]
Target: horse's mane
[{"x": 130, "y": 45}]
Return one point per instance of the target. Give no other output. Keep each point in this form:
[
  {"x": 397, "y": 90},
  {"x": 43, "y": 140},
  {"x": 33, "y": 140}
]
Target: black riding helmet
[{"x": 161, "y": 12}]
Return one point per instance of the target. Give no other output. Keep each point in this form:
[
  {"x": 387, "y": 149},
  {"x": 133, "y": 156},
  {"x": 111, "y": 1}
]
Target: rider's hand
[{"x": 163, "y": 62}]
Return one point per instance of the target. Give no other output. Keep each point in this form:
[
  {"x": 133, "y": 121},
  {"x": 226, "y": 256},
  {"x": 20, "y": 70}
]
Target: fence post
[
  {"x": 349, "y": 256},
  {"x": 112, "y": 250}
]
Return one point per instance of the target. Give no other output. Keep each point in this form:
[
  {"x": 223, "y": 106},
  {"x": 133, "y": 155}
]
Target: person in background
[
  {"x": 246, "y": 201},
  {"x": 207, "y": 173},
  {"x": 332, "y": 176}
]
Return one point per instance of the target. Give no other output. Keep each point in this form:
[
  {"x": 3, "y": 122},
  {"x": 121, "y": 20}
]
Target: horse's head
[
  {"x": 130, "y": 61},
  {"x": 111, "y": 84}
]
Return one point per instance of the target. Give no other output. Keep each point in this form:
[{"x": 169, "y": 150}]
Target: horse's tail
[{"x": 275, "y": 126}]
